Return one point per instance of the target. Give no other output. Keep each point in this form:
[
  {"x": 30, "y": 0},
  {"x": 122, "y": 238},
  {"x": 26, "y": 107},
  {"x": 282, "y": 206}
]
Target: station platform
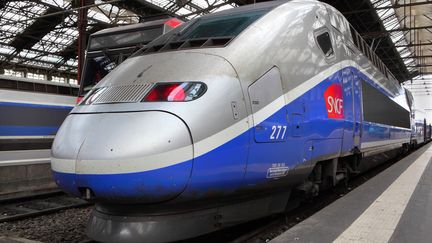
[
  {"x": 394, "y": 206},
  {"x": 22, "y": 157},
  {"x": 25, "y": 173}
]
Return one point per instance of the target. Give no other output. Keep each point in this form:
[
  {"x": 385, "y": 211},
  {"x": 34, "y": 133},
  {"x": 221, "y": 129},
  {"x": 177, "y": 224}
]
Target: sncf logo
[{"x": 334, "y": 101}]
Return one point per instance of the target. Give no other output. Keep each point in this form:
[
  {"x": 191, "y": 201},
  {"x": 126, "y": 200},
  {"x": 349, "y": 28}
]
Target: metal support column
[{"x": 82, "y": 36}]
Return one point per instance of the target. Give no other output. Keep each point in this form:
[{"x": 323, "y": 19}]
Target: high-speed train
[
  {"x": 420, "y": 127},
  {"x": 224, "y": 118},
  {"x": 31, "y": 111}
]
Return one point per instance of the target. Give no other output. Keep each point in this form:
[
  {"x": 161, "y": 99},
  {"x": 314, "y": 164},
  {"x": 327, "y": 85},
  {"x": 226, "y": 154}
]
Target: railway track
[
  {"x": 26, "y": 207},
  {"x": 257, "y": 231}
]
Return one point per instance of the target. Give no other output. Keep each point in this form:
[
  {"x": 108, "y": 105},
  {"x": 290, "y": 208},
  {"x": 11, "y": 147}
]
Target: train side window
[
  {"x": 379, "y": 108},
  {"x": 324, "y": 42}
]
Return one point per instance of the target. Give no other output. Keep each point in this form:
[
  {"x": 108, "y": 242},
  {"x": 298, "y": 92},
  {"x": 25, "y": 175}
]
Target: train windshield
[
  {"x": 97, "y": 67},
  {"x": 227, "y": 25},
  {"x": 221, "y": 26}
]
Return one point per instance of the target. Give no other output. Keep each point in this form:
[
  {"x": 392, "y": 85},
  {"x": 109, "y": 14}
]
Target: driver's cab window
[
  {"x": 324, "y": 42},
  {"x": 96, "y": 68}
]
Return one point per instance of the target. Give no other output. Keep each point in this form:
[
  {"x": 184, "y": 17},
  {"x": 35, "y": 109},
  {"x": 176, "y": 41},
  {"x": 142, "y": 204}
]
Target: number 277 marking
[{"x": 276, "y": 132}]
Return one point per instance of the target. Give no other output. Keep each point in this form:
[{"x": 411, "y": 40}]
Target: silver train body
[{"x": 266, "y": 106}]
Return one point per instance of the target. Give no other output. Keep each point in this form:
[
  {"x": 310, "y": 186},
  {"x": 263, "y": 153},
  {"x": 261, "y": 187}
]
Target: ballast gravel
[{"x": 63, "y": 226}]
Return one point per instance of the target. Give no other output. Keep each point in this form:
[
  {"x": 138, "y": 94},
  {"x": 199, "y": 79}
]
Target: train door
[
  {"x": 267, "y": 156},
  {"x": 267, "y": 100},
  {"x": 352, "y": 112},
  {"x": 358, "y": 110}
]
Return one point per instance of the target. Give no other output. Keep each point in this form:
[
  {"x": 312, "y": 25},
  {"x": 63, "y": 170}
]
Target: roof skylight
[
  {"x": 391, "y": 22},
  {"x": 55, "y": 50},
  {"x": 16, "y": 16},
  {"x": 61, "y": 37}
]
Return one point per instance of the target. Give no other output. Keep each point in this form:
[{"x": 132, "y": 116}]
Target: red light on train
[
  {"x": 173, "y": 22},
  {"x": 79, "y": 99},
  {"x": 181, "y": 91},
  {"x": 167, "y": 92}
]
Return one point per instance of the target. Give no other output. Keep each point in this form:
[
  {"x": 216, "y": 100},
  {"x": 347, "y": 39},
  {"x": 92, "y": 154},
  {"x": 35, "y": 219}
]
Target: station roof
[
  {"x": 400, "y": 33},
  {"x": 42, "y": 35}
]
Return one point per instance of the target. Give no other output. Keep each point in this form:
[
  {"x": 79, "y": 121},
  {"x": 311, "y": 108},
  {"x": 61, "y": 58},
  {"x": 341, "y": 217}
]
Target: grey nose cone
[{"x": 134, "y": 156}]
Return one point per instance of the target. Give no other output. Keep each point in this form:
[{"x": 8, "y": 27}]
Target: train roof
[
  {"x": 131, "y": 27},
  {"x": 190, "y": 36},
  {"x": 179, "y": 36},
  {"x": 247, "y": 8}
]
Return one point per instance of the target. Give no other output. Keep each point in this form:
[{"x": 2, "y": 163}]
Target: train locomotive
[{"x": 222, "y": 119}]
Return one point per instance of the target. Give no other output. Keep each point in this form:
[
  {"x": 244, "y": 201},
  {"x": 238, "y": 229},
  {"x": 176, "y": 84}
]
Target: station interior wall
[{"x": 425, "y": 103}]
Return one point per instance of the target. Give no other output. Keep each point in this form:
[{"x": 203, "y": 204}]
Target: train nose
[{"x": 134, "y": 157}]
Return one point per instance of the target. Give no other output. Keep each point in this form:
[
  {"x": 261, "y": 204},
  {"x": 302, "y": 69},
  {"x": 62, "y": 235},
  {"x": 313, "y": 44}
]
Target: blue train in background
[
  {"x": 31, "y": 111},
  {"x": 227, "y": 118},
  {"x": 421, "y": 129}
]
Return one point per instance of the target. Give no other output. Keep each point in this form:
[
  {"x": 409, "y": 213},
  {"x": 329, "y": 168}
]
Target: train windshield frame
[
  {"x": 116, "y": 40},
  {"x": 221, "y": 25},
  {"x": 200, "y": 28}
]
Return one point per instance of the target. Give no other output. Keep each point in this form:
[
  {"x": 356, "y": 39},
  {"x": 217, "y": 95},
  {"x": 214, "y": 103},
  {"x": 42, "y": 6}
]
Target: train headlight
[{"x": 176, "y": 92}]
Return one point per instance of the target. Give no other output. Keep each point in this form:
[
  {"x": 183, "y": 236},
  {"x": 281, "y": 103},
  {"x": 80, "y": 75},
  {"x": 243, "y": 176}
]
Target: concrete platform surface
[
  {"x": 25, "y": 173},
  {"x": 23, "y": 157},
  {"x": 394, "y": 206}
]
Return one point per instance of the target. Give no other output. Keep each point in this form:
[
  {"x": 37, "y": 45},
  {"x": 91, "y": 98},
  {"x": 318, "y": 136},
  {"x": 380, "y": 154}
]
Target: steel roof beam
[
  {"x": 378, "y": 34},
  {"x": 209, "y": 8},
  {"x": 143, "y": 8},
  {"x": 414, "y": 44},
  {"x": 420, "y": 65},
  {"x": 409, "y": 57},
  {"x": 38, "y": 29},
  {"x": 407, "y": 45},
  {"x": 387, "y": 7}
]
